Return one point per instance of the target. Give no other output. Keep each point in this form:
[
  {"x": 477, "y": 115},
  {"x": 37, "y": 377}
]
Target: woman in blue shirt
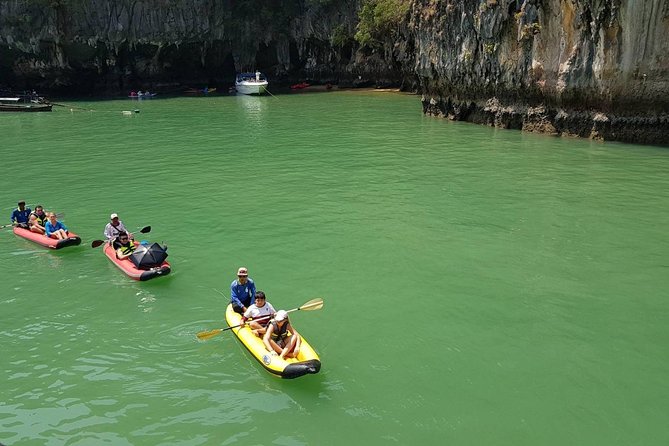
[{"x": 55, "y": 229}]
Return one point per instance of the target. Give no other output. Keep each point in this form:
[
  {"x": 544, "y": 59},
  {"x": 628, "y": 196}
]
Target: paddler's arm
[
  {"x": 234, "y": 297},
  {"x": 298, "y": 342},
  {"x": 120, "y": 255},
  {"x": 266, "y": 338}
]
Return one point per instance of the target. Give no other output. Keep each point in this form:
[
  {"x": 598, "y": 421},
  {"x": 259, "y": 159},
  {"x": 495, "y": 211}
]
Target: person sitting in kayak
[
  {"x": 37, "y": 220},
  {"x": 41, "y": 214},
  {"x": 114, "y": 228},
  {"x": 242, "y": 291},
  {"x": 20, "y": 215},
  {"x": 281, "y": 338},
  {"x": 33, "y": 224},
  {"x": 55, "y": 229},
  {"x": 124, "y": 246},
  {"x": 259, "y": 314}
]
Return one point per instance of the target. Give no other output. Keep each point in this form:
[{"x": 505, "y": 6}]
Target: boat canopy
[{"x": 250, "y": 76}]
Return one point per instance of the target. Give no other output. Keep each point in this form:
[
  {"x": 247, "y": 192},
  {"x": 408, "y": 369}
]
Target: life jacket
[
  {"x": 129, "y": 248},
  {"x": 39, "y": 220},
  {"x": 279, "y": 333}
]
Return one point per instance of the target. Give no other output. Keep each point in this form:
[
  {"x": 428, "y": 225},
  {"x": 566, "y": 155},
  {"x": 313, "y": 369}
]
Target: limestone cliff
[
  {"x": 107, "y": 46},
  {"x": 592, "y": 68}
]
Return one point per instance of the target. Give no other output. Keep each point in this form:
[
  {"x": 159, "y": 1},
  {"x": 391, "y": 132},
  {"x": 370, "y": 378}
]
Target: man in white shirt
[
  {"x": 260, "y": 314},
  {"x": 114, "y": 227}
]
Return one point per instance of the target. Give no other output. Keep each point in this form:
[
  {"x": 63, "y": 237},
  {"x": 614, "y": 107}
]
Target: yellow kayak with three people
[{"x": 306, "y": 362}]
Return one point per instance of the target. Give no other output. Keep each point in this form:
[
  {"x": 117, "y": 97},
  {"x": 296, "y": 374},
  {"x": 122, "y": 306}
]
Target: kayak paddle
[{"x": 314, "y": 304}]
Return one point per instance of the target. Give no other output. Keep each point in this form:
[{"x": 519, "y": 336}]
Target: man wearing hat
[
  {"x": 114, "y": 228},
  {"x": 21, "y": 214},
  {"x": 242, "y": 291}
]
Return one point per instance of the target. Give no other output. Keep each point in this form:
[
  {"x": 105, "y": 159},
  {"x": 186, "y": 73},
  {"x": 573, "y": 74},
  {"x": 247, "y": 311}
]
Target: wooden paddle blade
[
  {"x": 204, "y": 335},
  {"x": 313, "y": 304},
  {"x": 97, "y": 243},
  {"x": 145, "y": 229}
]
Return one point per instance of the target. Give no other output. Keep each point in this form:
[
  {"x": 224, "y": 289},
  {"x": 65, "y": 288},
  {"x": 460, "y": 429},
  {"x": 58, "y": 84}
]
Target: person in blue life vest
[
  {"x": 37, "y": 220},
  {"x": 55, "y": 229},
  {"x": 21, "y": 215},
  {"x": 281, "y": 338},
  {"x": 242, "y": 291},
  {"x": 259, "y": 314},
  {"x": 124, "y": 246}
]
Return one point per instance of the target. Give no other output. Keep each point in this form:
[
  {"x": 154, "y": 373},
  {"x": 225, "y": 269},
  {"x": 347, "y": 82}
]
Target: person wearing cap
[
  {"x": 242, "y": 291},
  {"x": 259, "y": 314},
  {"x": 114, "y": 228},
  {"x": 21, "y": 215},
  {"x": 281, "y": 338}
]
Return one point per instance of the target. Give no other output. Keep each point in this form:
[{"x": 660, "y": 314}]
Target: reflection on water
[{"x": 252, "y": 112}]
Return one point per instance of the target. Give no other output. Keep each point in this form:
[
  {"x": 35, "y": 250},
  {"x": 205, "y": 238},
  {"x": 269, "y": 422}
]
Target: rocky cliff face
[
  {"x": 592, "y": 68},
  {"x": 107, "y": 46}
]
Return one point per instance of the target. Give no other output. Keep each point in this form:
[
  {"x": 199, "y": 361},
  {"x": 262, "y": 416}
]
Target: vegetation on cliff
[{"x": 380, "y": 20}]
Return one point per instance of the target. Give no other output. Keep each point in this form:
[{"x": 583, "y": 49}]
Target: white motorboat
[{"x": 251, "y": 83}]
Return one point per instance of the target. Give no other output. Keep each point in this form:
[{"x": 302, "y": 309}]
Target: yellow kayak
[{"x": 307, "y": 361}]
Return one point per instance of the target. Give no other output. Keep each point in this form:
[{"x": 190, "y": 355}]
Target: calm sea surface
[{"x": 481, "y": 287}]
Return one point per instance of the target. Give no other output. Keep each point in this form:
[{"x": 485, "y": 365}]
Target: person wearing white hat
[
  {"x": 114, "y": 228},
  {"x": 281, "y": 338},
  {"x": 242, "y": 291}
]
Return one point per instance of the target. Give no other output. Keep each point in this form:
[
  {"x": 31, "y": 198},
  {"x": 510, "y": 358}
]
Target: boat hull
[
  {"x": 48, "y": 242},
  {"x": 307, "y": 362},
  {"x": 251, "y": 88},
  {"x": 133, "y": 272},
  {"x": 25, "y": 107}
]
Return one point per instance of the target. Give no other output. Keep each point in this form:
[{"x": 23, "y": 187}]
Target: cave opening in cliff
[{"x": 266, "y": 57}]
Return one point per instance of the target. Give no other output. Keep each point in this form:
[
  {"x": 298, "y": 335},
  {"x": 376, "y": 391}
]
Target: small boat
[
  {"x": 251, "y": 83},
  {"x": 300, "y": 86},
  {"x": 45, "y": 241},
  {"x": 131, "y": 270},
  {"x": 204, "y": 91},
  {"x": 141, "y": 95},
  {"x": 24, "y": 103},
  {"x": 307, "y": 361}
]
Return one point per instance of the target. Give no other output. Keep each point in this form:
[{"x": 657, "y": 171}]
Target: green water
[{"x": 481, "y": 287}]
